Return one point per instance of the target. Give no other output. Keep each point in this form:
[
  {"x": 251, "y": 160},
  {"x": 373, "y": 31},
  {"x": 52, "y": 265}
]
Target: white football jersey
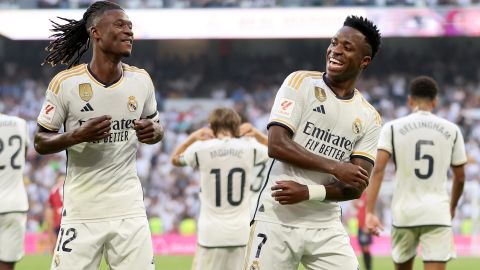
[
  {"x": 13, "y": 143},
  {"x": 423, "y": 147},
  {"x": 226, "y": 171},
  {"x": 101, "y": 181},
  {"x": 326, "y": 125}
]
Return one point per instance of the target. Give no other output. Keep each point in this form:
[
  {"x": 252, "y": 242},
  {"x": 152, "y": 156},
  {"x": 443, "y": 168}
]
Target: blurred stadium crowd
[
  {"x": 250, "y": 83},
  {"x": 231, "y": 3}
]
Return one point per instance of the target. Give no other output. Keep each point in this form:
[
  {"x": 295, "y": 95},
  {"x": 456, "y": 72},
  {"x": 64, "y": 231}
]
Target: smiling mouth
[
  {"x": 334, "y": 62},
  {"x": 129, "y": 41}
]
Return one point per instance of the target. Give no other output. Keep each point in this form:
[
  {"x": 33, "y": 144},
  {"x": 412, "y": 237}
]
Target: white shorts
[
  {"x": 12, "y": 236},
  {"x": 436, "y": 243},
  {"x": 220, "y": 258},
  {"x": 126, "y": 244},
  {"x": 278, "y": 247}
]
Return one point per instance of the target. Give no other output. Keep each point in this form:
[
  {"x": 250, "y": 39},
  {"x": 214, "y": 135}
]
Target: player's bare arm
[
  {"x": 148, "y": 131},
  {"x": 457, "y": 187},
  {"x": 282, "y": 147},
  {"x": 247, "y": 129},
  {"x": 48, "y": 142},
  {"x": 199, "y": 135},
  {"x": 290, "y": 192},
  {"x": 371, "y": 220}
]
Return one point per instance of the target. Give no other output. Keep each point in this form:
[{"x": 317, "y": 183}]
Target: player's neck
[
  {"x": 340, "y": 88},
  {"x": 423, "y": 107},
  {"x": 106, "y": 69},
  {"x": 224, "y": 134}
]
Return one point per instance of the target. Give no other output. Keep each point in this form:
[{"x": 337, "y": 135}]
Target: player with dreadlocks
[
  {"x": 105, "y": 108},
  {"x": 322, "y": 136}
]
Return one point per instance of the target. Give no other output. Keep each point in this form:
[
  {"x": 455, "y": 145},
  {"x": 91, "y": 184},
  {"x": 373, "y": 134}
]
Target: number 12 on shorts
[{"x": 70, "y": 235}]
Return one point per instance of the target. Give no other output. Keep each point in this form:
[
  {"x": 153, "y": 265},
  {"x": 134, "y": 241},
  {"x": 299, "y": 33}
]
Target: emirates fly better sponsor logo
[
  {"x": 323, "y": 141},
  {"x": 119, "y": 132}
]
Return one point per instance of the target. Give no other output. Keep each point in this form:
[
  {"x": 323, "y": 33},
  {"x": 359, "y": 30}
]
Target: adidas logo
[
  {"x": 319, "y": 109},
  {"x": 87, "y": 108},
  {"x": 261, "y": 209}
]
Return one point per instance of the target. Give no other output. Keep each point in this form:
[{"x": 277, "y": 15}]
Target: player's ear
[
  {"x": 365, "y": 61},
  {"x": 411, "y": 102},
  {"x": 435, "y": 102},
  {"x": 93, "y": 32}
]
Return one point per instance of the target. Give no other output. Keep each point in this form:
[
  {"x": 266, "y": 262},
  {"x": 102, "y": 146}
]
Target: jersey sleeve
[
  {"x": 459, "y": 156},
  {"x": 289, "y": 103},
  {"x": 150, "y": 107},
  {"x": 190, "y": 156},
  {"x": 54, "y": 110},
  {"x": 385, "y": 140},
  {"x": 366, "y": 147}
]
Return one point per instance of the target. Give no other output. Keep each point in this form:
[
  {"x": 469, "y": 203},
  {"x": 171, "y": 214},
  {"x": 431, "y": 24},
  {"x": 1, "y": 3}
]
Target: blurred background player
[
  {"x": 13, "y": 196},
  {"x": 323, "y": 137},
  {"x": 104, "y": 211},
  {"x": 364, "y": 236},
  {"x": 249, "y": 132},
  {"x": 423, "y": 147},
  {"x": 226, "y": 163},
  {"x": 53, "y": 211}
]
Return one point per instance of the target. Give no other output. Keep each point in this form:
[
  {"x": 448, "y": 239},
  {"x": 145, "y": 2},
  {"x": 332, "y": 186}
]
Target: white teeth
[{"x": 335, "y": 61}]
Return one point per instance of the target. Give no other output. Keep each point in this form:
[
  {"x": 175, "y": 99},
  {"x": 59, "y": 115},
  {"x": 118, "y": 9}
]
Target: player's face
[
  {"x": 347, "y": 54},
  {"x": 115, "y": 33}
]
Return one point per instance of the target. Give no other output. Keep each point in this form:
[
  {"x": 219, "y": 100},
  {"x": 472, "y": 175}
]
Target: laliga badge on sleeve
[{"x": 285, "y": 107}]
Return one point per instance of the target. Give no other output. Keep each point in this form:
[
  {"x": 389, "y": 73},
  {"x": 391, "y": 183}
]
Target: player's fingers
[
  {"x": 278, "y": 186},
  {"x": 145, "y": 137},
  {"x": 145, "y": 130}
]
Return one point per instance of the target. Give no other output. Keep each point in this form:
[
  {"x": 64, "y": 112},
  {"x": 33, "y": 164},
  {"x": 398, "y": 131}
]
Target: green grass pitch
[{"x": 42, "y": 262}]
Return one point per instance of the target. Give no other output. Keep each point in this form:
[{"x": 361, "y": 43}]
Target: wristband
[{"x": 316, "y": 192}]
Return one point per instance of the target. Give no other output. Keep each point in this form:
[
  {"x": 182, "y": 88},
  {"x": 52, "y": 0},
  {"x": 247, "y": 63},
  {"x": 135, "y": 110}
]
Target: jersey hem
[
  {"x": 284, "y": 125},
  {"x": 364, "y": 158},
  {"x": 14, "y": 212},
  {"x": 47, "y": 127},
  {"x": 94, "y": 220},
  {"x": 234, "y": 246},
  {"x": 328, "y": 224},
  {"x": 459, "y": 164},
  {"x": 423, "y": 225}
]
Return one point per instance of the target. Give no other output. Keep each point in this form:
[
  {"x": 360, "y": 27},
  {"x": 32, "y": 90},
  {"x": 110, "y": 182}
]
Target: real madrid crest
[
  {"x": 255, "y": 265},
  {"x": 357, "y": 126},
  {"x": 132, "y": 104},
  {"x": 85, "y": 91},
  {"x": 320, "y": 94}
]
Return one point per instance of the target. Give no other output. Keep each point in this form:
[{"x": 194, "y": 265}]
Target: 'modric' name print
[{"x": 326, "y": 143}]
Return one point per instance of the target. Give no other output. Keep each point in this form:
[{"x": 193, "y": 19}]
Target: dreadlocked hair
[
  {"x": 368, "y": 29},
  {"x": 72, "y": 40}
]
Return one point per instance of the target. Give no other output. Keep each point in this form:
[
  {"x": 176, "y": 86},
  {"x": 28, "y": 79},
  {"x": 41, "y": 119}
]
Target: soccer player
[
  {"x": 13, "y": 196},
  {"x": 226, "y": 162},
  {"x": 364, "y": 236},
  {"x": 423, "y": 147},
  {"x": 106, "y": 108},
  {"x": 249, "y": 132},
  {"x": 53, "y": 210},
  {"x": 322, "y": 135}
]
